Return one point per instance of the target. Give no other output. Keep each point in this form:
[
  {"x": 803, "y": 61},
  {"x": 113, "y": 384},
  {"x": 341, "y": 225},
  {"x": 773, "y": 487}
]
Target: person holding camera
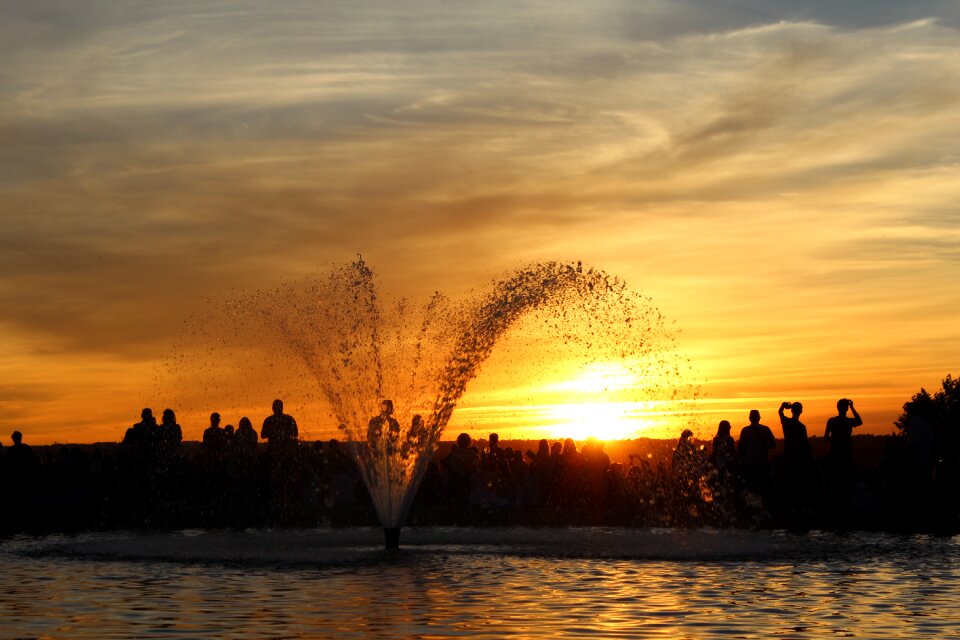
[
  {"x": 796, "y": 470},
  {"x": 796, "y": 447},
  {"x": 839, "y": 434}
]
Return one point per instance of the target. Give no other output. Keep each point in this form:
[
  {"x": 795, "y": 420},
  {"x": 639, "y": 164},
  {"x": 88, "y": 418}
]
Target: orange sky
[{"x": 781, "y": 178}]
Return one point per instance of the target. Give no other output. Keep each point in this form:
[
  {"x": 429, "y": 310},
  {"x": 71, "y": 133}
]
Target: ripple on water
[{"x": 69, "y": 588}]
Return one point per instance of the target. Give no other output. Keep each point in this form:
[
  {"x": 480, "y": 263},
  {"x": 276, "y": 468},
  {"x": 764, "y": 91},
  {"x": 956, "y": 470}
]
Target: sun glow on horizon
[
  {"x": 604, "y": 400},
  {"x": 600, "y": 420},
  {"x": 593, "y": 406}
]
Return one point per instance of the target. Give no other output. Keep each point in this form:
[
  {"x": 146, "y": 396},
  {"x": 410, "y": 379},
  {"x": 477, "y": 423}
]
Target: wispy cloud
[{"x": 731, "y": 159}]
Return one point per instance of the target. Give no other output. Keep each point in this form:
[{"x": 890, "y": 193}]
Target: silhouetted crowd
[
  {"x": 236, "y": 477},
  {"x": 728, "y": 483}
]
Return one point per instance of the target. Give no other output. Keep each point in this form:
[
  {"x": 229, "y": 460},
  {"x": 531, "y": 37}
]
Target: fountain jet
[{"x": 393, "y": 372}]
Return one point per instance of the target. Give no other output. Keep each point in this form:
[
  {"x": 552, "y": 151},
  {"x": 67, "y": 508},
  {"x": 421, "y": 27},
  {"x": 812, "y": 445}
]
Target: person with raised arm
[
  {"x": 796, "y": 471},
  {"x": 839, "y": 433},
  {"x": 796, "y": 446}
]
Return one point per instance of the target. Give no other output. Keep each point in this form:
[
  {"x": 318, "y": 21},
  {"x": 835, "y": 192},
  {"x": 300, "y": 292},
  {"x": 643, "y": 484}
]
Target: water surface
[{"x": 493, "y": 583}]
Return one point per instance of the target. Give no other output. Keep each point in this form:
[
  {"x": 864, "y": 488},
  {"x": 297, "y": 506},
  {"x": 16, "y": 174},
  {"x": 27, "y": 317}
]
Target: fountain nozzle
[{"x": 391, "y": 538}]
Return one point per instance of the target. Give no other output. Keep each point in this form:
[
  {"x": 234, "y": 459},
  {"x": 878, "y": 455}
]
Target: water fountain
[{"x": 393, "y": 372}]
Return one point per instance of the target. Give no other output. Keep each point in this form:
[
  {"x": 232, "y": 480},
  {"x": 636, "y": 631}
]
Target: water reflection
[{"x": 881, "y": 587}]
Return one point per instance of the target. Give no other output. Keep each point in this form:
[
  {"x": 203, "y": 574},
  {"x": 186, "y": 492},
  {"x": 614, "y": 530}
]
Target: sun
[
  {"x": 591, "y": 404},
  {"x": 600, "y": 420}
]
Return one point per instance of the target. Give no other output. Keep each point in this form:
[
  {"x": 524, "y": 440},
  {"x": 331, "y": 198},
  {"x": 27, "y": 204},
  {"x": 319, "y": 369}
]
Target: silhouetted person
[
  {"x": 796, "y": 446},
  {"x": 567, "y": 486},
  {"x": 137, "y": 463},
  {"x": 166, "y": 445},
  {"x": 393, "y": 434},
  {"x": 496, "y": 468},
  {"x": 245, "y": 439},
  {"x": 756, "y": 440},
  {"x": 383, "y": 425},
  {"x": 169, "y": 434},
  {"x": 375, "y": 432},
  {"x": 214, "y": 437},
  {"x": 20, "y": 459},
  {"x": 723, "y": 455},
  {"x": 141, "y": 437},
  {"x": 280, "y": 432},
  {"x": 417, "y": 437},
  {"x": 683, "y": 453},
  {"x": 556, "y": 450},
  {"x": 591, "y": 479},
  {"x": 601, "y": 456},
  {"x": 541, "y": 456},
  {"x": 569, "y": 453},
  {"x": 279, "y": 428},
  {"x": 796, "y": 468},
  {"x": 494, "y": 452},
  {"x": 23, "y": 473},
  {"x": 686, "y": 464},
  {"x": 839, "y": 434},
  {"x": 461, "y": 463}
]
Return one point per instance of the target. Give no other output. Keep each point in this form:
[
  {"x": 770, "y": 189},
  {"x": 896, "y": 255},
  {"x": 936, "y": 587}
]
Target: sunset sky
[{"x": 782, "y": 178}]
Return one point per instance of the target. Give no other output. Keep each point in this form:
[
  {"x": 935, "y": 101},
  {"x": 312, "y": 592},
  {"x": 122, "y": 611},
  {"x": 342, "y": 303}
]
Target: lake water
[{"x": 486, "y": 583}]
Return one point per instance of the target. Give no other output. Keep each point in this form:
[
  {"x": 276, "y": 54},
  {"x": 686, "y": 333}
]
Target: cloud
[{"x": 153, "y": 156}]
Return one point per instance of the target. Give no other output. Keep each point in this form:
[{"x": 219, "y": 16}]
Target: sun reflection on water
[{"x": 495, "y": 583}]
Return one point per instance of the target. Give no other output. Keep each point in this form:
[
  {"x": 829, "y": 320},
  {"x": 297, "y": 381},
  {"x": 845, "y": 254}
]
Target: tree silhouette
[{"x": 941, "y": 410}]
